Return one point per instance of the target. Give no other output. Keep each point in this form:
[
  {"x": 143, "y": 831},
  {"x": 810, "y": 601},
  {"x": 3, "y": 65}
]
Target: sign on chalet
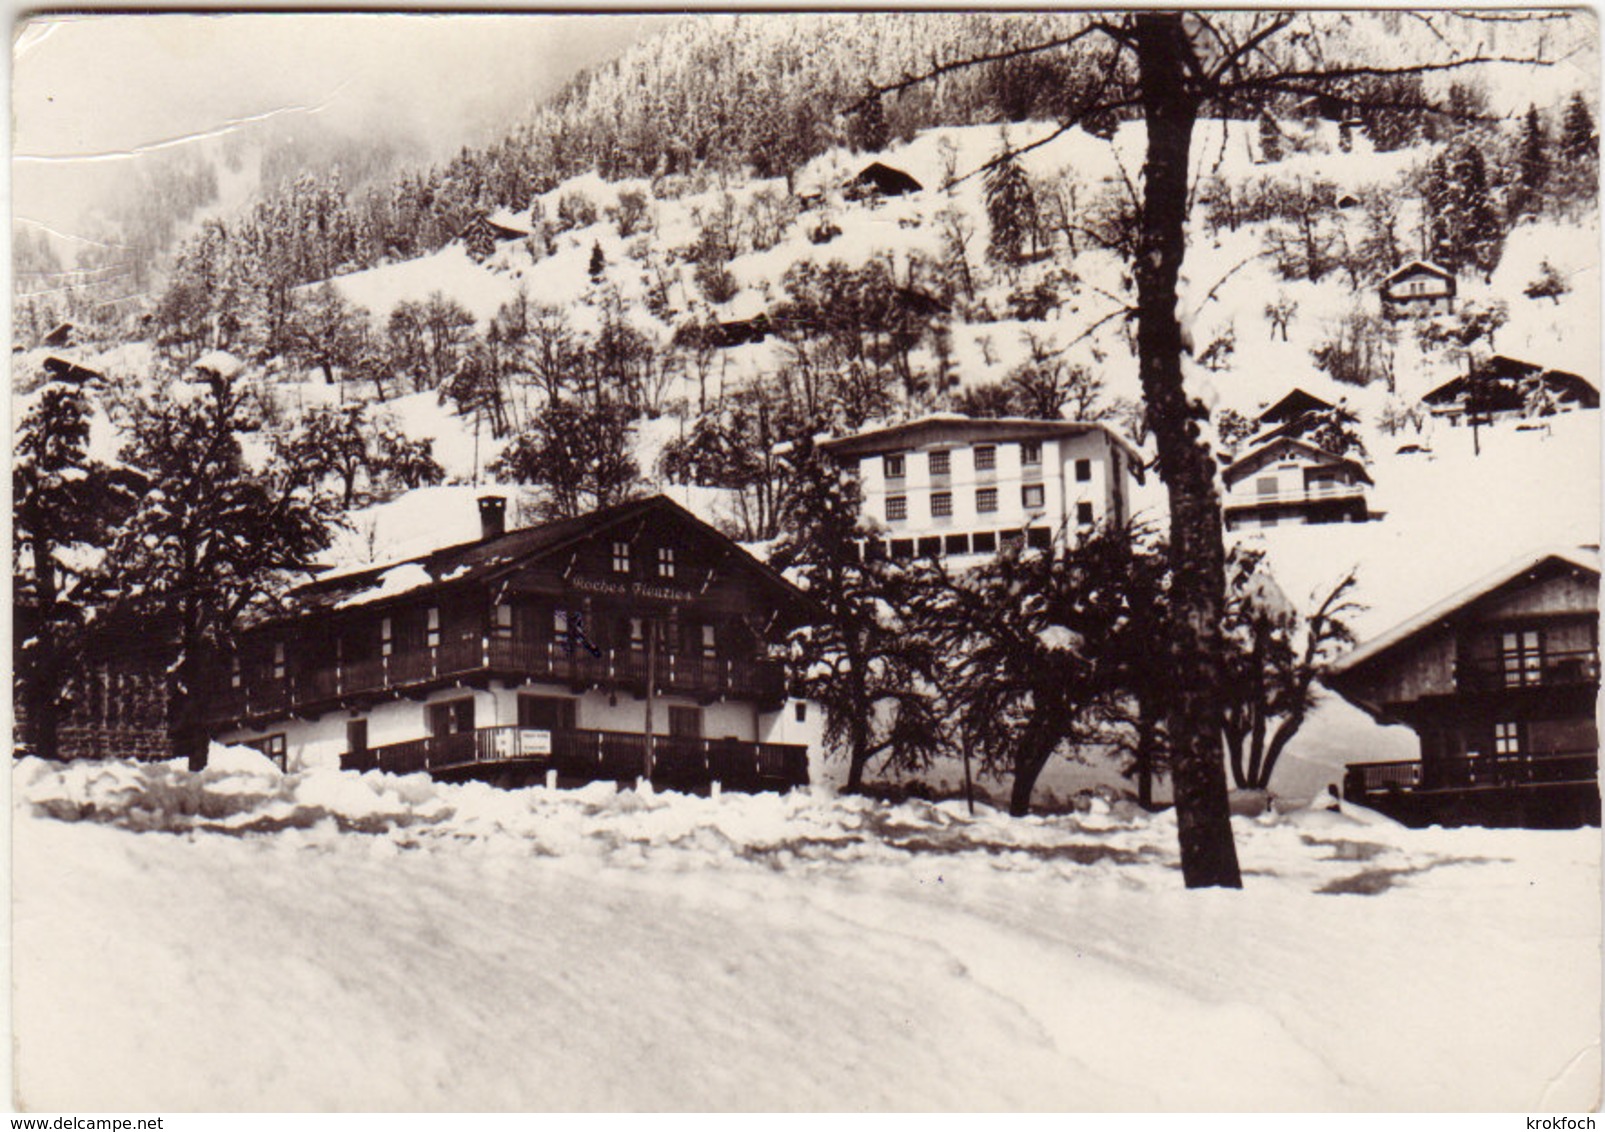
[
  {"x": 1291, "y": 481},
  {"x": 627, "y": 643},
  {"x": 1502, "y": 388},
  {"x": 1499, "y": 682},
  {"x": 1418, "y": 288}
]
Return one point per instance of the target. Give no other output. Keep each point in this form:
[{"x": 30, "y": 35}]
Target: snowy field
[{"x": 238, "y": 939}]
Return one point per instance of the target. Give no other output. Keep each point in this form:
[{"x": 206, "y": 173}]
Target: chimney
[{"x": 492, "y": 515}]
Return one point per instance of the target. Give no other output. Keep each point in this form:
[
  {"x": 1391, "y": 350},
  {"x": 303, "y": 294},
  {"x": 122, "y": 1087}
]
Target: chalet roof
[
  {"x": 503, "y": 225},
  {"x": 1584, "y": 558},
  {"x": 488, "y": 559},
  {"x": 1417, "y": 267},
  {"x": 969, "y": 430},
  {"x": 65, "y": 369},
  {"x": 1249, "y": 459},
  {"x": 1292, "y": 406},
  {"x": 59, "y": 336},
  {"x": 1507, "y": 371},
  {"x": 885, "y": 180}
]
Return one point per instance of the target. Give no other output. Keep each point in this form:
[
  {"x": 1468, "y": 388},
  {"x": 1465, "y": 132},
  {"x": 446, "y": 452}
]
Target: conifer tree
[
  {"x": 1577, "y": 140},
  {"x": 1011, "y": 210},
  {"x": 1532, "y": 172}
]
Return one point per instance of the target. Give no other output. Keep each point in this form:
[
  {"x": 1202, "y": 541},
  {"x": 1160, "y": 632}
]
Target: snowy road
[{"x": 239, "y": 940}]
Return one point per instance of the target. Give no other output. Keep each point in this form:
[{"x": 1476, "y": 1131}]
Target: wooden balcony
[
  {"x": 1529, "y": 670},
  {"x": 1558, "y": 789},
  {"x": 592, "y": 755},
  {"x": 313, "y": 689}
]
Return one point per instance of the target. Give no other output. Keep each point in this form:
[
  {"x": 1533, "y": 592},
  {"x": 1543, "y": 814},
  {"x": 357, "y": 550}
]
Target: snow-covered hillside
[{"x": 241, "y": 940}]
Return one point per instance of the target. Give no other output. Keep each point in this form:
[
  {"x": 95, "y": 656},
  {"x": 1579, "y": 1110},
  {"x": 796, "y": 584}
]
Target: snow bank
[{"x": 374, "y": 942}]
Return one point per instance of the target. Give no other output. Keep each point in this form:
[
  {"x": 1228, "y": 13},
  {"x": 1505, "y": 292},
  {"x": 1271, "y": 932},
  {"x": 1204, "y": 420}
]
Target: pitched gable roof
[
  {"x": 1292, "y": 406},
  {"x": 1501, "y": 377},
  {"x": 1584, "y": 558},
  {"x": 1417, "y": 267},
  {"x": 968, "y": 430},
  {"x": 490, "y": 558},
  {"x": 1250, "y": 459}
]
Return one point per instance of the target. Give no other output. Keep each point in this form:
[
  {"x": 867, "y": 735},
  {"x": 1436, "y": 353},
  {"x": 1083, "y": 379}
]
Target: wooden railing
[
  {"x": 1528, "y": 670},
  {"x": 1296, "y": 495},
  {"x": 594, "y": 755},
  {"x": 1481, "y": 771},
  {"x": 674, "y": 673}
]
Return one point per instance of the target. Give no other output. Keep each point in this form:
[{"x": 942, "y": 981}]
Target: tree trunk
[
  {"x": 1209, "y": 858},
  {"x": 43, "y": 691}
]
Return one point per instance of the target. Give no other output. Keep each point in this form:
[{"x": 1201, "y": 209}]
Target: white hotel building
[{"x": 953, "y": 485}]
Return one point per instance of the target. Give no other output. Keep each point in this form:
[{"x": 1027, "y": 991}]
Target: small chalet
[
  {"x": 481, "y": 234},
  {"x": 880, "y": 180},
  {"x": 64, "y": 369},
  {"x": 1503, "y": 388},
  {"x": 1288, "y": 482},
  {"x": 60, "y": 337},
  {"x": 1499, "y": 681},
  {"x": 1418, "y": 289},
  {"x": 627, "y": 643}
]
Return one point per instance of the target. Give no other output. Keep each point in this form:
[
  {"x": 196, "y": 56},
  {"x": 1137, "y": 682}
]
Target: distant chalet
[
  {"x": 1499, "y": 681},
  {"x": 627, "y": 642},
  {"x": 1291, "y": 407},
  {"x": 1418, "y": 289},
  {"x": 1502, "y": 388},
  {"x": 877, "y": 179},
  {"x": 950, "y": 485},
  {"x": 1289, "y": 482}
]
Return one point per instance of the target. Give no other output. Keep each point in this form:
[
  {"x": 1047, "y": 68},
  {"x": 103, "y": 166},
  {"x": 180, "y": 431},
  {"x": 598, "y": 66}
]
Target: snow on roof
[
  {"x": 960, "y": 427},
  {"x": 220, "y": 362},
  {"x": 1293, "y": 442},
  {"x": 1585, "y": 558},
  {"x": 513, "y": 221},
  {"x": 1414, "y": 266}
]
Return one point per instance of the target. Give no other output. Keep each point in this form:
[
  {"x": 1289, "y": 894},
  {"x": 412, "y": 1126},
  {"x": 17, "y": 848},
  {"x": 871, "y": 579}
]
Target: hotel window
[
  {"x": 1084, "y": 514},
  {"x": 504, "y": 620},
  {"x": 986, "y": 458},
  {"x": 452, "y": 717},
  {"x": 1033, "y": 496},
  {"x": 1083, "y": 471},
  {"x": 685, "y": 722},
  {"x": 902, "y": 548},
  {"x": 546, "y": 713},
  {"x": 986, "y": 499},
  {"x": 278, "y": 660},
  {"x": 941, "y": 463},
  {"x": 896, "y": 507},
  {"x": 621, "y": 557},
  {"x": 665, "y": 561},
  {"x": 387, "y": 638},
  {"x": 930, "y": 546},
  {"x": 356, "y": 735},
  {"x": 234, "y": 671},
  {"x": 956, "y": 544},
  {"x": 1507, "y": 738},
  {"x": 894, "y": 466},
  {"x": 1039, "y": 538},
  {"x": 432, "y": 635},
  {"x": 560, "y": 627},
  {"x": 637, "y": 634},
  {"x": 710, "y": 647},
  {"x": 984, "y": 542},
  {"x": 1522, "y": 656},
  {"x": 1030, "y": 453},
  {"x": 941, "y": 504}
]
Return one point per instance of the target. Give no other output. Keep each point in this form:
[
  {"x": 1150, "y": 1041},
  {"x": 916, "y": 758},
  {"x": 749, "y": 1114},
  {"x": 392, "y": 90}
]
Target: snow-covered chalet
[
  {"x": 626, "y": 643},
  {"x": 1289, "y": 481},
  {"x": 1505, "y": 388},
  {"x": 1499, "y": 681},
  {"x": 952, "y": 485},
  {"x": 1418, "y": 289}
]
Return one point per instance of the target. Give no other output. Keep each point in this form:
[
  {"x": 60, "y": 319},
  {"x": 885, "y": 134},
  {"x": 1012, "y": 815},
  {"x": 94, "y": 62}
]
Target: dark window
[
  {"x": 894, "y": 466},
  {"x": 902, "y": 548},
  {"x": 1039, "y": 537},
  {"x": 1013, "y": 538},
  {"x": 941, "y": 463},
  {"x": 1084, "y": 514},
  {"x": 1083, "y": 470},
  {"x": 387, "y": 639},
  {"x": 931, "y": 546},
  {"x": 874, "y": 550},
  {"x": 637, "y": 634},
  {"x": 1265, "y": 485},
  {"x": 986, "y": 499},
  {"x": 234, "y": 670},
  {"x": 546, "y": 713},
  {"x": 958, "y": 544},
  {"x": 941, "y": 504},
  {"x": 356, "y": 735},
  {"x": 986, "y": 458},
  {"x": 504, "y": 620},
  {"x": 801, "y": 708},
  {"x": 685, "y": 722},
  {"x": 1030, "y": 453},
  {"x": 984, "y": 542},
  {"x": 621, "y": 557},
  {"x": 665, "y": 561},
  {"x": 710, "y": 644},
  {"x": 451, "y": 717},
  {"x": 278, "y": 660},
  {"x": 896, "y": 507},
  {"x": 274, "y": 747},
  {"x": 432, "y": 629},
  {"x": 1033, "y": 496}
]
